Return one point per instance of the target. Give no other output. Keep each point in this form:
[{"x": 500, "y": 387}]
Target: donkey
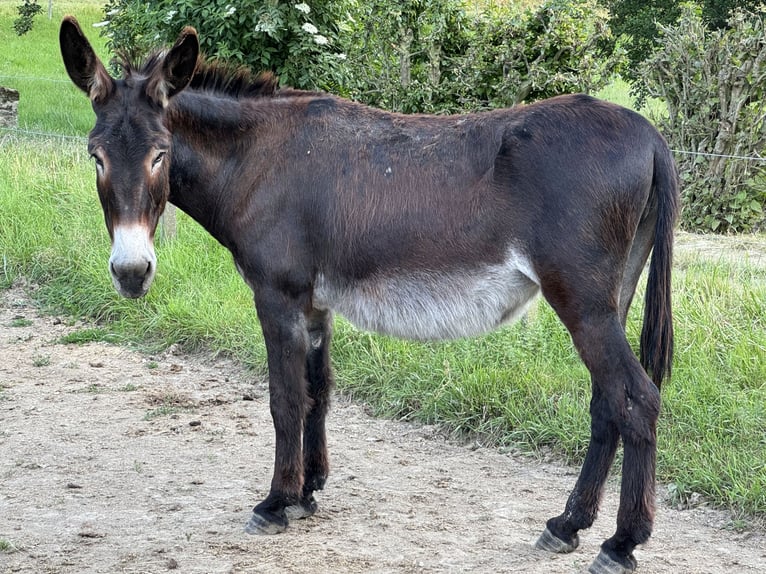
[{"x": 426, "y": 227}]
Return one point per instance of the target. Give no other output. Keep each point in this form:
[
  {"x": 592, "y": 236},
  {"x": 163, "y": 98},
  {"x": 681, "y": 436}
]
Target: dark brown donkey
[{"x": 427, "y": 227}]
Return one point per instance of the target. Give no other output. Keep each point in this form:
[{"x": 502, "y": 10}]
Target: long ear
[
  {"x": 177, "y": 68},
  {"x": 83, "y": 66}
]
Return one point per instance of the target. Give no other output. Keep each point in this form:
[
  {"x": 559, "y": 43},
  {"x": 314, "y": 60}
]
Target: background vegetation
[
  {"x": 522, "y": 386},
  {"x": 706, "y": 65},
  {"x": 638, "y": 23},
  {"x": 713, "y": 83},
  {"x": 419, "y": 55}
]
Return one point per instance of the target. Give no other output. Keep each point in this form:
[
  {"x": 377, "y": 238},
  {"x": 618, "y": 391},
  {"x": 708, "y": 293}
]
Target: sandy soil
[{"x": 113, "y": 461}]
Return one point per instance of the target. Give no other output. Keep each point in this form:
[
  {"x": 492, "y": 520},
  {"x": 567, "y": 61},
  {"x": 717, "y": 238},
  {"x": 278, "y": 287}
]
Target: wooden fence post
[{"x": 168, "y": 223}]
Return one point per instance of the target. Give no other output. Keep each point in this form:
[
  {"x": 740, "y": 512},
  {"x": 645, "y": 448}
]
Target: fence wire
[{"x": 48, "y": 135}]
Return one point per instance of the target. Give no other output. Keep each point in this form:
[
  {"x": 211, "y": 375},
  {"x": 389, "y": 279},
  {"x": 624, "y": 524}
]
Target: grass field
[
  {"x": 32, "y": 65},
  {"x": 523, "y": 386}
]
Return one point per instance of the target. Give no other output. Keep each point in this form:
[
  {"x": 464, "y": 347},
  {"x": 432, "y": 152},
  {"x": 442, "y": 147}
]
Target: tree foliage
[
  {"x": 436, "y": 55},
  {"x": 296, "y": 40},
  {"x": 637, "y": 23},
  {"x": 27, "y": 12},
  {"x": 412, "y": 55},
  {"x": 714, "y": 85}
]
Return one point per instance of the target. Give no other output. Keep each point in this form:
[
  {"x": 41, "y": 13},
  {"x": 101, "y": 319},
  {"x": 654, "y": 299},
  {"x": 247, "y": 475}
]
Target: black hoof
[
  {"x": 605, "y": 564},
  {"x": 265, "y": 522},
  {"x": 307, "y": 507},
  {"x": 551, "y": 543}
]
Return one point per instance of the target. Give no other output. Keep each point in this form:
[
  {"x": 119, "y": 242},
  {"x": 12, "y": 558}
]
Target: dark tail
[{"x": 656, "y": 351}]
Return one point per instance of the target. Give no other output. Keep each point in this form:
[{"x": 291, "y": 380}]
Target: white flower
[
  {"x": 113, "y": 12},
  {"x": 341, "y": 56},
  {"x": 101, "y": 24},
  {"x": 310, "y": 28},
  {"x": 303, "y": 7},
  {"x": 230, "y": 10},
  {"x": 321, "y": 40}
]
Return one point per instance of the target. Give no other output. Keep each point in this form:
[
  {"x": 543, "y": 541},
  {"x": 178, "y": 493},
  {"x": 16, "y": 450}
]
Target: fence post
[
  {"x": 168, "y": 223},
  {"x": 9, "y": 104}
]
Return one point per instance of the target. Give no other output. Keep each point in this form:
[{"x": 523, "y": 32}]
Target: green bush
[
  {"x": 296, "y": 40},
  {"x": 714, "y": 86},
  {"x": 411, "y": 56},
  {"x": 558, "y": 47},
  {"x": 436, "y": 55},
  {"x": 636, "y": 23},
  {"x": 27, "y": 12}
]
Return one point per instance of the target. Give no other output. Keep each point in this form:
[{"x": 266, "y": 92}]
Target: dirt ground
[{"x": 113, "y": 461}]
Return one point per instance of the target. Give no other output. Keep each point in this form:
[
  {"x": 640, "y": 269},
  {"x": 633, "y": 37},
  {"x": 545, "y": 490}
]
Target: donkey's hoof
[
  {"x": 305, "y": 508},
  {"x": 605, "y": 564},
  {"x": 551, "y": 543},
  {"x": 261, "y": 525}
]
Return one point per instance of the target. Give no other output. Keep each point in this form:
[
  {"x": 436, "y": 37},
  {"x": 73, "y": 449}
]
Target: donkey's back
[{"x": 438, "y": 227}]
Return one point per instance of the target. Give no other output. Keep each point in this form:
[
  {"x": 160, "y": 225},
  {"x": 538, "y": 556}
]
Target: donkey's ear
[
  {"x": 83, "y": 66},
  {"x": 177, "y": 69}
]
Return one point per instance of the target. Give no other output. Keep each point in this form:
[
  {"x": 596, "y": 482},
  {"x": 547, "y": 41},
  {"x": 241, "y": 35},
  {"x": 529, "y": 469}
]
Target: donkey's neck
[{"x": 206, "y": 157}]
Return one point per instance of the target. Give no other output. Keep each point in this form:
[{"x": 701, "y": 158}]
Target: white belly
[{"x": 434, "y": 305}]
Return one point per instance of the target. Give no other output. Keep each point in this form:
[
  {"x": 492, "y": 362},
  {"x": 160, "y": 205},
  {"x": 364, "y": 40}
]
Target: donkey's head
[{"x": 130, "y": 146}]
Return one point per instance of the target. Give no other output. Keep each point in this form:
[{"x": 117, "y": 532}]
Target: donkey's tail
[{"x": 656, "y": 349}]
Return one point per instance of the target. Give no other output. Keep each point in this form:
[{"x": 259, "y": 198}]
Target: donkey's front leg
[
  {"x": 320, "y": 383},
  {"x": 285, "y": 331}
]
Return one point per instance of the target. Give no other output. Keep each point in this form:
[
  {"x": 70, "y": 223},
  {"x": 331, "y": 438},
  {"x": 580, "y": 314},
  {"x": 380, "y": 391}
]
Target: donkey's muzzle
[
  {"x": 133, "y": 262},
  {"x": 132, "y": 281}
]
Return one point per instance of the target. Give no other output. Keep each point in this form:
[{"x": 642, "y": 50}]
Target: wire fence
[
  {"x": 20, "y": 132},
  {"x": 32, "y": 133},
  {"x": 81, "y": 139}
]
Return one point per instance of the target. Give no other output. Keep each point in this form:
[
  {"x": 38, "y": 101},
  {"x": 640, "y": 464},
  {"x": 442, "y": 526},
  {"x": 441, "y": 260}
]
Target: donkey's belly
[{"x": 434, "y": 304}]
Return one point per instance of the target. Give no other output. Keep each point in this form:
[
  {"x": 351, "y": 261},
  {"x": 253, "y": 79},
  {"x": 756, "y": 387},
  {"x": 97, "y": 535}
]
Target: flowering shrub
[
  {"x": 298, "y": 41},
  {"x": 411, "y": 55}
]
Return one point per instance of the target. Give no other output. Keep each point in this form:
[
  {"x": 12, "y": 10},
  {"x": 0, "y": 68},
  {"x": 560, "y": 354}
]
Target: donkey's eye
[
  {"x": 99, "y": 161},
  {"x": 158, "y": 159}
]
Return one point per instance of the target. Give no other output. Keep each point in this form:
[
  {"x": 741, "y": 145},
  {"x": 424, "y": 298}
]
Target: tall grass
[
  {"x": 523, "y": 385},
  {"x": 32, "y": 65}
]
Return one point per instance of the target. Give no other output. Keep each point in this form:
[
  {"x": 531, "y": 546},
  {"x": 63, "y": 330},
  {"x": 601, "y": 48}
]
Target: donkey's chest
[{"x": 433, "y": 304}]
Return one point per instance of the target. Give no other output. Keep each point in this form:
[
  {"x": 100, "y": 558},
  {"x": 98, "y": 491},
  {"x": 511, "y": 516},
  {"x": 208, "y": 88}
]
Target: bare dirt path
[{"x": 112, "y": 461}]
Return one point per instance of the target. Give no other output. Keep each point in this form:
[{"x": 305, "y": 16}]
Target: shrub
[
  {"x": 714, "y": 86},
  {"x": 636, "y": 23},
  {"x": 27, "y": 12},
  {"x": 296, "y": 40},
  {"x": 433, "y": 55},
  {"x": 415, "y": 55}
]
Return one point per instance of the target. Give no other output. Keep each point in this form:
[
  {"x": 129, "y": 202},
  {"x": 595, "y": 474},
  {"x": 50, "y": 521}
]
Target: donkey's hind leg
[
  {"x": 634, "y": 266},
  {"x": 625, "y": 405},
  {"x": 560, "y": 534},
  {"x": 316, "y": 464}
]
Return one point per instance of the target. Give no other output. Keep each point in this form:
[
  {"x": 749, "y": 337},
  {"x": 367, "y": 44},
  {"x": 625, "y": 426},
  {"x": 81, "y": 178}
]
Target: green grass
[
  {"x": 90, "y": 335},
  {"x": 523, "y": 386},
  {"x": 41, "y": 361},
  {"x": 32, "y": 65},
  {"x": 6, "y": 546},
  {"x": 618, "y": 92}
]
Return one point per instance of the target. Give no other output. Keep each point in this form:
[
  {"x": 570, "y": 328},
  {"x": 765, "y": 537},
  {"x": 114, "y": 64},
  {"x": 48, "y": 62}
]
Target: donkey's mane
[
  {"x": 213, "y": 76},
  {"x": 234, "y": 81}
]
